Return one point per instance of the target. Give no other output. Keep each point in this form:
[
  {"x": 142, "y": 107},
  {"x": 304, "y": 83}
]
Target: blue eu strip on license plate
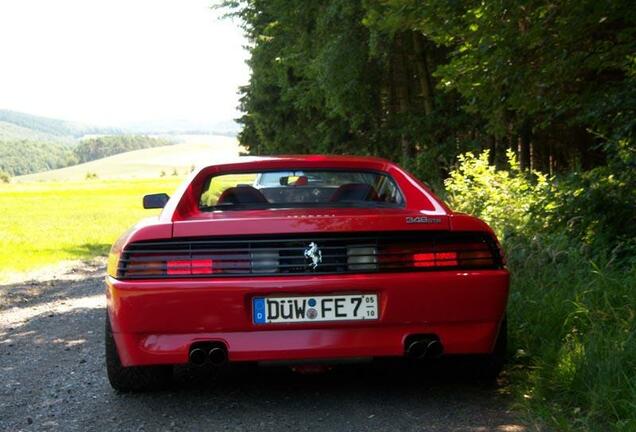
[
  {"x": 259, "y": 311},
  {"x": 315, "y": 308}
]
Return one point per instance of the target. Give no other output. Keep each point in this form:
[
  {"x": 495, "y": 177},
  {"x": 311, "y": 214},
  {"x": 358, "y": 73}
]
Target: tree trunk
[
  {"x": 400, "y": 81},
  {"x": 524, "y": 146},
  {"x": 423, "y": 72}
]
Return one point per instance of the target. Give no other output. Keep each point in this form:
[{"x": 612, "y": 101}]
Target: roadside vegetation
[
  {"x": 528, "y": 111},
  {"x": 43, "y": 223},
  {"x": 572, "y": 314}
]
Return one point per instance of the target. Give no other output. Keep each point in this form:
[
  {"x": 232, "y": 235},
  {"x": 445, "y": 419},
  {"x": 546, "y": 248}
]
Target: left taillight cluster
[{"x": 140, "y": 265}]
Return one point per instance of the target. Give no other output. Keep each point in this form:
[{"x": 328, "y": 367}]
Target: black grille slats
[{"x": 280, "y": 255}]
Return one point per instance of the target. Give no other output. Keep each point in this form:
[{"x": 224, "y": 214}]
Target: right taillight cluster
[{"x": 422, "y": 256}]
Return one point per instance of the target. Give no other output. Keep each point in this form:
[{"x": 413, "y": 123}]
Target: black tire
[
  {"x": 136, "y": 378},
  {"x": 489, "y": 367}
]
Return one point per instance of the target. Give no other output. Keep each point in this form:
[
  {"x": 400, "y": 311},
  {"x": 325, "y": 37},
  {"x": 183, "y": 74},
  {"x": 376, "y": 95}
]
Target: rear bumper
[{"x": 155, "y": 322}]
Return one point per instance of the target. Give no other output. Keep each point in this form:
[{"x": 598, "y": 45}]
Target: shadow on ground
[{"x": 88, "y": 250}]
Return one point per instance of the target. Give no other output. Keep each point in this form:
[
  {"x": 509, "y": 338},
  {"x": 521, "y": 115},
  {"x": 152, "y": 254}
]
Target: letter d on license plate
[{"x": 315, "y": 308}]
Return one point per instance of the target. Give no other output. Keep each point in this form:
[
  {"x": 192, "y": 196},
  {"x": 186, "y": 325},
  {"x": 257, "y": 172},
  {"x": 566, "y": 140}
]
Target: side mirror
[{"x": 153, "y": 201}]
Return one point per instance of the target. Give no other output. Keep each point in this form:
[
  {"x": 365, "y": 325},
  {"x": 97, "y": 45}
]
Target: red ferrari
[{"x": 301, "y": 259}]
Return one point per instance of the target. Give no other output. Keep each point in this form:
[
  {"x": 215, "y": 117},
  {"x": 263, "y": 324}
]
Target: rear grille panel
[{"x": 281, "y": 255}]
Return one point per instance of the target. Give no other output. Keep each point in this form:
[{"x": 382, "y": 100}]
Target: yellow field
[{"x": 43, "y": 223}]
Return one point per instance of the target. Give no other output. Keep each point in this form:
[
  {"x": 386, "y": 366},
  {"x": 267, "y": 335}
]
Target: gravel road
[{"x": 52, "y": 377}]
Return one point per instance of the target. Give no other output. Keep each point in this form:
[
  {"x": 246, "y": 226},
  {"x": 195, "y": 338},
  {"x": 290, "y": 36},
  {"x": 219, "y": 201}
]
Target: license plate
[{"x": 315, "y": 308}]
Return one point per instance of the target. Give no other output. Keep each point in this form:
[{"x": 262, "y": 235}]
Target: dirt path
[{"x": 52, "y": 378}]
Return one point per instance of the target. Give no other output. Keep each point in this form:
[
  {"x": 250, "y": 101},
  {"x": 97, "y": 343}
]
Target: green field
[{"x": 43, "y": 223}]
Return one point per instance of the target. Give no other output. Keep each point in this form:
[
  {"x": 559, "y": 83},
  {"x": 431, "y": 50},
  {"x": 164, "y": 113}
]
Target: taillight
[
  {"x": 189, "y": 267},
  {"x": 140, "y": 265},
  {"x": 475, "y": 258},
  {"x": 437, "y": 255},
  {"x": 436, "y": 259}
]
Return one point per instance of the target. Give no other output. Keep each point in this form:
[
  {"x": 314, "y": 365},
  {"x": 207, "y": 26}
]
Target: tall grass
[
  {"x": 43, "y": 223},
  {"x": 573, "y": 331},
  {"x": 572, "y": 310}
]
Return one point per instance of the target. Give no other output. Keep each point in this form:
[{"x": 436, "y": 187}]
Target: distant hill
[
  {"x": 31, "y": 144},
  {"x": 183, "y": 127},
  {"x": 148, "y": 163},
  {"x": 13, "y": 132},
  {"x": 50, "y": 126}
]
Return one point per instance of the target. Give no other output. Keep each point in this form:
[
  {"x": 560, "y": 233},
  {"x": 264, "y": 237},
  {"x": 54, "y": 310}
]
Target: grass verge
[
  {"x": 573, "y": 325},
  {"x": 43, "y": 223}
]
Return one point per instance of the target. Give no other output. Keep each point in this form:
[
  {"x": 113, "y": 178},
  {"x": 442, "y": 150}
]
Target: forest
[
  {"x": 521, "y": 112},
  {"x": 103, "y": 146}
]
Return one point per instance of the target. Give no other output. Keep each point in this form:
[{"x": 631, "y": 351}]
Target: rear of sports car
[{"x": 301, "y": 259}]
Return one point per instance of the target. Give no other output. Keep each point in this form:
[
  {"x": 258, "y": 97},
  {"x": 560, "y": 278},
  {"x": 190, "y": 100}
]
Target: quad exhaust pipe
[
  {"x": 197, "y": 356},
  {"x": 217, "y": 356},
  {"x": 213, "y": 353},
  {"x": 424, "y": 347}
]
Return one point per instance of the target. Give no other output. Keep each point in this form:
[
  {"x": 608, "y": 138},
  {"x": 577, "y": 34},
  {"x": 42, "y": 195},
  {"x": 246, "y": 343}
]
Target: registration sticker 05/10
[{"x": 315, "y": 308}]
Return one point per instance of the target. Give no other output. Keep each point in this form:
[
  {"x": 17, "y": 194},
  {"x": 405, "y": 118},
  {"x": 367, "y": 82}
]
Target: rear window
[{"x": 299, "y": 189}]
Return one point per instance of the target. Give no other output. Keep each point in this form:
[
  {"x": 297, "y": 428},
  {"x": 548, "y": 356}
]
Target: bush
[
  {"x": 504, "y": 199},
  {"x": 572, "y": 307},
  {"x": 5, "y": 177}
]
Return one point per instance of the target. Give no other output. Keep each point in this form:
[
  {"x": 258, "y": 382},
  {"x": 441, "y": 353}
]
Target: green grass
[
  {"x": 573, "y": 328},
  {"x": 43, "y": 223}
]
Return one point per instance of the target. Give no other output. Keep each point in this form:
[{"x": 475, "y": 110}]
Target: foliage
[
  {"x": 43, "y": 223},
  {"x": 4, "y": 177},
  {"x": 572, "y": 306},
  {"x": 504, "y": 199},
  {"x": 422, "y": 82},
  {"x": 18, "y": 157},
  {"x": 99, "y": 147}
]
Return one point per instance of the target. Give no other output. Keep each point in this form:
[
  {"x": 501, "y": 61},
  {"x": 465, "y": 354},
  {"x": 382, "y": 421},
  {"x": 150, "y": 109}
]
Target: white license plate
[{"x": 315, "y": 308}]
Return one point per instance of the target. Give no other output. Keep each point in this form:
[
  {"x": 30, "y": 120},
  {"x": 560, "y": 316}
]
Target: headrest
[
  {"x": 241, "y": 195},
  {"x": 355, "y": 192}
]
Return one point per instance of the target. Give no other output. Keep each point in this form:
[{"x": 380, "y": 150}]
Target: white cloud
[{"x": 114, "y": 61}]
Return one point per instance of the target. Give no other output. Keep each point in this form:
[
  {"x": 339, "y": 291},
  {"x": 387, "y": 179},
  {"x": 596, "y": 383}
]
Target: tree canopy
[{"x": 421, "y": 82}]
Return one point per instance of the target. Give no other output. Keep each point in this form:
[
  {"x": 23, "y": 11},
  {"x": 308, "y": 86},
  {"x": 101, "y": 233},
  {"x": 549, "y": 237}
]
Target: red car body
[{"x": 156, "y": 321}]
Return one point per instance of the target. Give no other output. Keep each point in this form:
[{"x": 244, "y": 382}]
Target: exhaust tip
[
  {"x": 197, "y": 356},
  {"x": 424, "y": 347},
  {"x": 434, "y": 349},
  {"x": 217, "y": 356},
  {"x": 417, "y": 349}
]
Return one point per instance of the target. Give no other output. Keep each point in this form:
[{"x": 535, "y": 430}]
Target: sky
[{"x": 114, "y": 62}]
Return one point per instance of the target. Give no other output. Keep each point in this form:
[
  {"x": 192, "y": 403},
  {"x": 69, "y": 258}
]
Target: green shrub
[
  {"x": 572, "y": 309},
  {"x": 4, "y": 177},
  {"x": 506, "y": 200}
]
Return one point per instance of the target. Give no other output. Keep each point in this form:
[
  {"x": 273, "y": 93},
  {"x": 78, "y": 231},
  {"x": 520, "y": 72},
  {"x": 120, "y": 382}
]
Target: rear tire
[
  {"x": 136, "y": 378},
  {"x": 489, "y": 367}
]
